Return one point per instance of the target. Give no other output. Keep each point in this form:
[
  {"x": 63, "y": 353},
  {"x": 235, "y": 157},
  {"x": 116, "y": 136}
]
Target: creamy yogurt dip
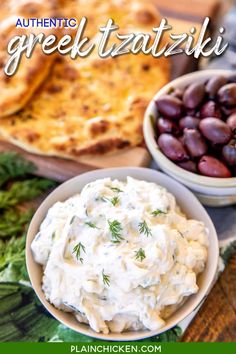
[{"x": 120, "y": 255}]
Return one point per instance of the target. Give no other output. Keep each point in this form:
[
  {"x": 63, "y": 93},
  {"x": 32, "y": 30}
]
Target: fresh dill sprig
[
  {"x": 77, "y": 250},
  {"x": 72, "y": 219},
  {"x": 90, "y": 224},
  {"x": 113, "y": 201},
  {"x": 144, "y": 229},
  {"x": 106, "y": 278},
  {"x": 13, "y": 165},
  {"x": 115, "y": 229},
  {"x": 117, "y": 190},
  {"x": 157, "y": 212},
  {"x": 140, "y": 255},
  {"x": 13, "y": 222},
  {"x": 23, "y": 191},
  {"x": 12, "y": 259}
]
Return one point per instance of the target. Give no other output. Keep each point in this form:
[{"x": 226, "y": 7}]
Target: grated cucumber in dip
[{"x": 120, "y": 255}]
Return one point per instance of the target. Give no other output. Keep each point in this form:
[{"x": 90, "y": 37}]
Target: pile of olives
[{"x": 196, "y": 127}]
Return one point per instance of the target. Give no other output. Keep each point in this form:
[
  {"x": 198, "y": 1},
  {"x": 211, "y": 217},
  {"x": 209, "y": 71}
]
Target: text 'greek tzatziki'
[{"x": 120, "y": 255}]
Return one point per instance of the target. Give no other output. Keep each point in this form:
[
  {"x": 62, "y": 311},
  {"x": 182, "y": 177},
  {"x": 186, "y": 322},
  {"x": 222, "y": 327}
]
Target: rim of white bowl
[
  {"x": 152, "y": 145},
  {"x": 87, "y": 177}
]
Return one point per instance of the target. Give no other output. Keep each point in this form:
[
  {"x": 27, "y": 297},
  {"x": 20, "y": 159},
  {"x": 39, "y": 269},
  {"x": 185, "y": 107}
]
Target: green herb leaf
[
  {"x": 113, "y": 201},
  {"x": 14, "y": 222},
  {"x": 117, "y": 190},
  {"x": 21, "y": 309},
  {"x": 227, "y": 251},
  {"x": 172, "y": 335},
  {"x": 72, "y": 219},
  {"x": 12, "y": 259},
  {"x": 140, "y": 255},
  {"x": 90, "y": 224},
  {"x": 13, "y": 165},
  {"x": 144, "y": 229},
  {"x": 158, "y": 212},
  {"x": 77, "y": 250},
  {"x": 23, "y": 191},
  {"x": 106, "y": 278},
  {"x": 115, "y": 229}
]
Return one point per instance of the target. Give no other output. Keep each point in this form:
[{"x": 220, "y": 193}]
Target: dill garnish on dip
[{"x": 123, "y": 256}]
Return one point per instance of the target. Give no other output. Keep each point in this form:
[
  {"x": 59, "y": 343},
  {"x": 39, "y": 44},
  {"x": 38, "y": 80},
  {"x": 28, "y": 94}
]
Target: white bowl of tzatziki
[{"x": 121, "y": 254}]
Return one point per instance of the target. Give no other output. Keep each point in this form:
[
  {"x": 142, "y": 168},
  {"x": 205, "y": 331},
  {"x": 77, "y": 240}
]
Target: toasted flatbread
[
  {"x": 127, "y": 14},
  {"x": 89, "y": 106},
  {"x": 16, "y": 90}
]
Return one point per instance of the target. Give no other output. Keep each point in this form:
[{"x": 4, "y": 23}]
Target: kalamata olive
[
  {"x": 210, "y": 109},
  {"x": 234, "y": 171},
  {"x": 232, "y": 78},
  {"x": 215, "y": 149},
  {"x": 227, "y": 95},
  {"x": 172, "y": 147},
  {"x": 169, "y": 106},
  {"x": 194, "y": 142},
  {"x": 229, "y": 152},
  {"x": 188, "y": 165},
  {"x": 214, "y": 84},
  {"x": 165, "y": 125},
  {"x": 212, "y": 167},
  {"x": 231, "y": 122},
  {"x": 215, "y": 130},
  {"x": 177, "y": 93},
  {"x": 181, "y": 139},
  {"x": 190, "y": 112},
  {"x": 228, "y": 111},
  {"x": 193, "y": 95},
  {"x": 189, "y": 122}
]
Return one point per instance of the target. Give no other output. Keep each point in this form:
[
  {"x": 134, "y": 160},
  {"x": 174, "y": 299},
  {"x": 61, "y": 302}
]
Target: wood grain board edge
[
  {"x": 60, "y": 169},
  {"x": 55, "y": 168},
  {"x": 193, "y": 11}
]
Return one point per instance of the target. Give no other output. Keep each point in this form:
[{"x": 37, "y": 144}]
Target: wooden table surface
[{"x": 216, "y": 320}]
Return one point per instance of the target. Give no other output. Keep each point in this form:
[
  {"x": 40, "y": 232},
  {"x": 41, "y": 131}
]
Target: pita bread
[
  {"x": 127, "y": 14},
  {"x": 16, "y": 90},
  {"x": 90, "y": 105}
]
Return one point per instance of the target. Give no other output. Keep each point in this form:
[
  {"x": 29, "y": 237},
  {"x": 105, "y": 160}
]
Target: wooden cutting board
[
  {"x": 216, "y": 320},
  {"x": 182, "y": 16},
  {"x": 60, "y": 169}
]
